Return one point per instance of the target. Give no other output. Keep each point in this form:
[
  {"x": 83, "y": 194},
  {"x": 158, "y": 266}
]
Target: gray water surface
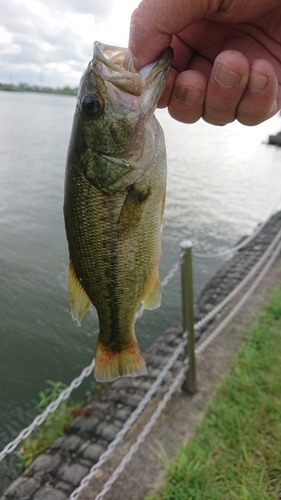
[{"x": 221, "y": 183}]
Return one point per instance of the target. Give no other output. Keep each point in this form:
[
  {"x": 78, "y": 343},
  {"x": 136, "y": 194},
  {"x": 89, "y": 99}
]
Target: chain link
[
  {"x": 243, "y": 244},
  {"x": 172, "y": 273},
  {"x": 147, "y": 428},
  {"x": 128, "y": 424},
  {"x": 238, "y": 306},
  {"x": 239, "y": 287},
  {"x": 88, "y": 370},
  {"x": 50, "y": 409},
  {"x": 180, "y": 377},
  {"x": 66, "y": 393}
]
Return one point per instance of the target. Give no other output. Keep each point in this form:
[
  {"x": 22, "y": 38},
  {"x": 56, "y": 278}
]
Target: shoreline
[
  {"x": 22, "y": 88},
  {"x": 57, "y": 472}
]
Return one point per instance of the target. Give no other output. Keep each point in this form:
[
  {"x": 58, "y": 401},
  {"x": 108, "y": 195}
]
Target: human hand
[{"x": 227, "y": 56}]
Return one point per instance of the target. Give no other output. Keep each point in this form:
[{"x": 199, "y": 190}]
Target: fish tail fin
[{"x": 110, "y": 364}]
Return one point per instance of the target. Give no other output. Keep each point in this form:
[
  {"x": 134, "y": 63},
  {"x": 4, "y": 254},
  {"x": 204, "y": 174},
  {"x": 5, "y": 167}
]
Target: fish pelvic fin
[
  {"x": 79, "y": 300},
  {"x": 110, "y": 364},
  {"x": 153, "y": 298}
]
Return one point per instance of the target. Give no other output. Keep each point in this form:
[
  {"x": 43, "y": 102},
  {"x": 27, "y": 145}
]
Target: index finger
[{"x": 154, "y": 23}]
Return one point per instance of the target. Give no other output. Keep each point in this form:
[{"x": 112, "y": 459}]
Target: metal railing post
[{"x": 189, "y": 384}]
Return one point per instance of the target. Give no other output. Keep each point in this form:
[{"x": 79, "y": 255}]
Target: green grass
[
  {"x": 236, "y": 450},
  {"x": 51, "y": 429},
  {"x": 57, "y": 423}
]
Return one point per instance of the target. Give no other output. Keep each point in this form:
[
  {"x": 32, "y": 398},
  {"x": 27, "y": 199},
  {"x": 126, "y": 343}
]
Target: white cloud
[
  {"x": 7, "y": 45},
  {"x": 50, "y": 41}
]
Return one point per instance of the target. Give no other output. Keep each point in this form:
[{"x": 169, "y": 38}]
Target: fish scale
[{"x": 114, "y": 203}]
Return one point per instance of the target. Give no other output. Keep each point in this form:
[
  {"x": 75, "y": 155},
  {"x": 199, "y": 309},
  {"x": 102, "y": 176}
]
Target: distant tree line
[{"x": 25, "y": 87}]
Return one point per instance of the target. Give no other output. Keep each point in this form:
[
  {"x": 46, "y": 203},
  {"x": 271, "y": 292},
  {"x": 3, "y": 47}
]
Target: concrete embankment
[{"x": 56, "y": 473}]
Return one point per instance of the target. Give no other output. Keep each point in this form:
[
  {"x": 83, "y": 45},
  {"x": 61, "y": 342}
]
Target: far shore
[{"x": 24, "y": 87}]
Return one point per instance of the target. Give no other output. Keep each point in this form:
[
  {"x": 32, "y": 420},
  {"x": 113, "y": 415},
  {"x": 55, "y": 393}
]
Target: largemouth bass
[{"x": 114, "y": 202}]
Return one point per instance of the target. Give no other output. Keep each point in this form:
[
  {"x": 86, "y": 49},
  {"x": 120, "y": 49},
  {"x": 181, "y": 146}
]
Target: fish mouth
[{"x": 108, "y": 64}]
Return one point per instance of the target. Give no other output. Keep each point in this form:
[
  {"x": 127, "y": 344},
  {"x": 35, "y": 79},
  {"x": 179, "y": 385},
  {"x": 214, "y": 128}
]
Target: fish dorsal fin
[
  {"x": 153, "y": 299},
  {"x": 79, "y": 300}
]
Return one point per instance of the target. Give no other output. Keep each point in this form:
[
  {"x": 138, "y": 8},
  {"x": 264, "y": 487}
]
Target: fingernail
[
  {"x": 257, "y": 83},
  {"x": 187, "y": 96},
  {"x": 225, "y": 77}
]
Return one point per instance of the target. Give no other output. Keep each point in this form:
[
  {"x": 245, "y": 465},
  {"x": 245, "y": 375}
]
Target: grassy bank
[{"x": 236, "y": 450}]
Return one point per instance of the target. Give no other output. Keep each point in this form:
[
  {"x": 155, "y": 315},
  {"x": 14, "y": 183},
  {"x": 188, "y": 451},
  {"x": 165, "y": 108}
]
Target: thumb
[{"x": 154, "y": 23}]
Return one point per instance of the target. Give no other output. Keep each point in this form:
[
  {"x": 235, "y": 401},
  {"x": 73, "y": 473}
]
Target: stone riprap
[
  {"x": 54, "y": 474},
  {"x": 234, "y": 270}
]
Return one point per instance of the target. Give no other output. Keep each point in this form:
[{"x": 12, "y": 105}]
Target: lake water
[{"x": 221, "y": 183}]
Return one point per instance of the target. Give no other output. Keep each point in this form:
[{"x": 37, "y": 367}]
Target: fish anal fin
[
  {"x": 110, "y": 364},
  {"x": 153, "y": 298},
  {"x": 132, "y": 210},
  {"x": 79, "y": 300}
]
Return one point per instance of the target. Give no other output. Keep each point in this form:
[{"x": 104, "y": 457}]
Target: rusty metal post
[{"x": 189, "y": 384}]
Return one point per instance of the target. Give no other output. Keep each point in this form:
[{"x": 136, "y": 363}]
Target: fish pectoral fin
[
  {"x": 79, "y": 300},
  {"x": 127, "y": 362},
  {"x": 153, "y": 299},
  {"x": 132, "y": 210}
]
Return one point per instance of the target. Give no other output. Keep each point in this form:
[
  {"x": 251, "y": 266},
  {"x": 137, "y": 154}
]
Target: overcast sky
[{"x": 49, "y": 42}]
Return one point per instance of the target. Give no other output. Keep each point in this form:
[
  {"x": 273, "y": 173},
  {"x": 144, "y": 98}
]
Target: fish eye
[{"x": 92, "y": 105}]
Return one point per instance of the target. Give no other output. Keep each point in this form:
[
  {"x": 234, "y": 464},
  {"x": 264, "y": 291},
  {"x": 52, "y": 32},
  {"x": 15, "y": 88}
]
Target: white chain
[
  {"x": 238, "y": 306},
  {"x": 147, "y": 428},
  {"x": 50, "y": 409},
  {"x": 128, "y": 424},
  {"x": 181, "y": 374},
  {"x": 172, "y": 273},
  {"x": 243, "y": 244},
  {"x": 66, "y": 392},
  {"x": 88, "y": 370},
  {"x": 239, "y": 287}
]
